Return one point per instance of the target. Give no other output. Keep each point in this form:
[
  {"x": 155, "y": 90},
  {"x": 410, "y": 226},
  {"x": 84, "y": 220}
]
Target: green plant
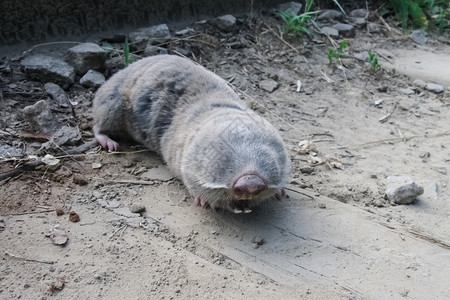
[
  {"x": 126, "y": 51},
  {"x": 107, "y": 47},
  {"x": 297, "y": 23},
  {"x": 421, "y": 13},
  {"x": 336, "y": 54},
  {"x": 439, "y": 20},
  {"x": 373, "y": 61},
  {"x": 340, "y": 7}
]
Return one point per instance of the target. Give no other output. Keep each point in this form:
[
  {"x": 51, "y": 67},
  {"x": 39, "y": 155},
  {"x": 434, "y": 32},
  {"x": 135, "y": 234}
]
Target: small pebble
[
  {"x": 259, "y": 240},
  {"x": 435, "y": 88},
  {"x": 79, "y": 179},
  {"x": 307, "y": 170},
  {"x": 74, "y": 217},
  {"x": 137, "y": 208}
]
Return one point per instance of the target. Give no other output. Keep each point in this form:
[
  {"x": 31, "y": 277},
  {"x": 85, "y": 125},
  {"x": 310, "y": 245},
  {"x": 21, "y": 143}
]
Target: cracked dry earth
[{"x": 333, "y": 237}]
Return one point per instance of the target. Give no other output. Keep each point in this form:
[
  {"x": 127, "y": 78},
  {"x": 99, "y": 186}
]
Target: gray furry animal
[{"x": 225, "y": 154}]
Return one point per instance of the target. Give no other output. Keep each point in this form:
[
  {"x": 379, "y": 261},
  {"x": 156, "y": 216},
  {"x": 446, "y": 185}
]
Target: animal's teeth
[
  {"x": 237, "y": 211},
  {"x": 246, "y": 197}
]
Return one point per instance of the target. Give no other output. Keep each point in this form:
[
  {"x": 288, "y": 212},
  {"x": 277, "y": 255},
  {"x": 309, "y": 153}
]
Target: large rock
[
  {"x": 41, "y": 118},
  {"x": 419, "y": 37},
  {"x": 268, "y": 85},
  {"x": 48, "y": 69},
  {"x": 92, "y": 79},
  {"x": 87, "y": 56},
  {"x": 434, "y": 87},
  {"x": 66, "y": 136},
  {"x": 373, "y": 28},
  {"x": 9, "y": 151},
  {"x": 153, "y": 35},
  {"x": 329, "y": 31},
  {"x": 359, "y": 13},
  {"x": 402, "y": 189},
  {"x": 151, "y": 50},
  {"x": 58, "y": 95},
  {"x": 291, "y": 7},
  {"x": 345, "y": 30},
  {"x": 225, "y": 23}
]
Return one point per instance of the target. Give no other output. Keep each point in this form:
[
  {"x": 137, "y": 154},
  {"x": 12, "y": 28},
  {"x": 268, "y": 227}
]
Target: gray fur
[{"x": 189, "y": 115}]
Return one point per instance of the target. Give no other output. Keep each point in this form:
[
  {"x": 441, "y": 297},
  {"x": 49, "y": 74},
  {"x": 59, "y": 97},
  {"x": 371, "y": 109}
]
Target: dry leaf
[
  {"x": 58, "y": 235},
  {"x": 333, "y": 163},
  {"x": 315, "y": 160},
  {"x": 51, "y": 161},
  {"x": 306, "y": 147},
  {"x": 74, "y": 217}
]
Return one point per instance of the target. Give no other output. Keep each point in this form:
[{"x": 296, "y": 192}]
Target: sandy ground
[{"x": 333, "y": 237}]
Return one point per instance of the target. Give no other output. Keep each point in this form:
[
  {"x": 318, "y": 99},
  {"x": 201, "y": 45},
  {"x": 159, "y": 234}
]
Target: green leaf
[
  {"x": 107, "y": 47},
  {"x": 340, "y": 7},
  {"x": 126, "y": 51}
]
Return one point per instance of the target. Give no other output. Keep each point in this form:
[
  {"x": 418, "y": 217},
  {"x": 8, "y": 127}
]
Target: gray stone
[
  {"x": 92, "y": 79},
  {"x": 330, "y": 14},
  {"x": 58, "y": 95},
  {"x": 329, "y": 31},
  {"x": 184, "y": 32},
  {"x": 291, "y": 7},
  {"x": 345, "y": 30},
  {"x": 66, "y": 136},
  {"x": 402, "y": 189},
  {"x": 406, "y": 91},
  {"x": 435, "y": 88},
  {"x": 48, "y": 69},
  {"x": 160, "y": 173},
  {"x": 419, "y": 37},
  {"x": 349, "y": 63},
  {"x": 112, "y": 204},
  {"x": 419, "y": 83},
  {"x": 9, "y": 151},
  {"x": 358, "y": 21},
  {"x": 151, "y": 50},
  {"x": 268, "y": 85},
  {"x": 137, "y": 208},
  {"x": 136, "y": 222},
  {"x": 153, "y": 35},
  {"x": 358, "y": 13},
  {"x": 226, "y": 22},
  {"x": 41, "y": 118},
  {"x": 373, "y": 27},
  {"x": 87, "y": 56},
  {"x": 124, "y": 211}
]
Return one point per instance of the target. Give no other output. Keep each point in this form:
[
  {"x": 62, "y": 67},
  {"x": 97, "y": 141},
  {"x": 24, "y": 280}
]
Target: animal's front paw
[
  {"x": 200, "y": 202},
  {"x": 280, "y": 194}
]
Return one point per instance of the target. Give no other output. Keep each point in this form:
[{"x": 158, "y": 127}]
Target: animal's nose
[{"x": 250, "y": 184}]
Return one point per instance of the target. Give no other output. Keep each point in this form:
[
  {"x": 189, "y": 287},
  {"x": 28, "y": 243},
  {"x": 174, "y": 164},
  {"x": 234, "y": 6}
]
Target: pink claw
[
  {"x": 105, "y": 140},
  {"x": 280, "y": 194},
  {"x": 200, "y": 202}
]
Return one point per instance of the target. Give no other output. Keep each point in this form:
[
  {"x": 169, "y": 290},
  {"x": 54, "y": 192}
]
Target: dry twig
[{"x": 30, "y": 259}]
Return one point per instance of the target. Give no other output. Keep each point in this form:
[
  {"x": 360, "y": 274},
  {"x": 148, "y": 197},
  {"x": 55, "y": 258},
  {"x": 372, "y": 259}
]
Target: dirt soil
[{"x": 334, "y": 236}]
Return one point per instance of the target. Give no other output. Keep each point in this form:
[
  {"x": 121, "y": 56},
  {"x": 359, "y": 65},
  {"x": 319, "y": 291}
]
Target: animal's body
[{"x": 225, "y": 154}]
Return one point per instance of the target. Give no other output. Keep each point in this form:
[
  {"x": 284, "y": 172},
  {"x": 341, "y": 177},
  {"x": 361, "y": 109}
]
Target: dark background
[{"x": 25, "y": 22}]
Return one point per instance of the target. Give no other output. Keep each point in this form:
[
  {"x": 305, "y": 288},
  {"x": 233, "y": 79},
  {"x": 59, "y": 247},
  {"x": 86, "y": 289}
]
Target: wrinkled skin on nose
[{"x": 249, "y": 185}]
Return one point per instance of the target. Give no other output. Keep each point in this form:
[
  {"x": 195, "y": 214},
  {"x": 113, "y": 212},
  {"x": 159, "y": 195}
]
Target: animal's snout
[{"x": 248, "y": 186}]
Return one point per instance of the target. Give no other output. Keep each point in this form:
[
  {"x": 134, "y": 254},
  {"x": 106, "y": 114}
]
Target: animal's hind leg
[{"x": 105, "y": 140}]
